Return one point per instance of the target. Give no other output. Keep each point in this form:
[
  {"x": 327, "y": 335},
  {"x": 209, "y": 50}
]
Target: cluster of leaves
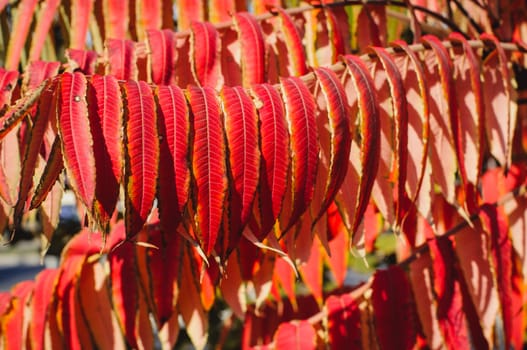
[{"x": 239, "y": 168}]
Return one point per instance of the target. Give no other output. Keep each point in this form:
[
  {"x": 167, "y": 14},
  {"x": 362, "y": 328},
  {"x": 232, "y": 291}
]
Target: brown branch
[
  {"x": 391, "y": 13},
  {"x": 425, "y": 247}
]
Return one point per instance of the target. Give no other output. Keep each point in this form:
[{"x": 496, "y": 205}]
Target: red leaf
[
  {"x": 344, "y": 319},
  {"x": 38, "y": 71},
  {"x": 469, "y": 94},
  {"x": 500, "y": 115},
  {"x": 8, "y": 81},
  {"x": 95, "y": 304},
  {"x": 19, "y": 33},
  {"x": 161, "y": 58},
  {"x": 81, "y": 60},
  {"x": 123, "y": 274},
  {"x": 322, "y": 41},
  {"x": 149, "y": 16},
  {"x": 396, "y": 130},
  {"x": 159, "y": 269},
  {"x": 221, "y": 10},
  {"x": 45, "y": 18},
  {"x": 193, "y": 10},
  {"x": 142, "y": 154},
  {"x": 371, "y": 26},
  {"x": 105, "y": 108},
  {"x": 174, "y": 172},
  {"x": 338, "y": 235},
  {"x": 205, "y": 47},
  {"x": 15, "y": 323},
  {"x": 80, "y": 18},
  {"x": 340, "y": 137},
  {"x": 43, "y": 297},
  {"x": 190, "y": 306},
  {"x": 472, "y": 251},
  {"x": 421, "y": 277},
  {"x": 418, "y": 122},
  {"x": 300, "y": 112},
  {"x": 241, "y": 129},
  {"x": 116, "y": 18},
  {"x": 46, "y": 108},
  {"x": 275, "y": 155},
  {"x": 295, "y": 335},
  {"x": 369, "y": 123},
  {"x": 120, "y": 58},
  {"x": 393, "y": 309},
  {"x": 208, "y": 164},
  {"x": 52, "y": 170},
  {"x": 252, "y": 51},
  {"x": 294, "y": 50},
  {"x": 495, "y": 224},
  {"x": 443, "y": 116},
  {"x": 74, "y": 127}
]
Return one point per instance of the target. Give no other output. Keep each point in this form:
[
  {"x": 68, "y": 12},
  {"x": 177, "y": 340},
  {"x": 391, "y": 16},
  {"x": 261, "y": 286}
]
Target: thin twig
[{"x": 425, "y": 247}]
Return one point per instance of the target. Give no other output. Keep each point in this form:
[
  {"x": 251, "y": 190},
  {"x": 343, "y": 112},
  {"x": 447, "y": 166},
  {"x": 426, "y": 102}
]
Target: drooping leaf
[
  {"x": 395, "y": 131},
  {"x": 300, "y": 113},
  {"x": 393, "y": 308},
  {"x": 123, "y": 277},
  {"x": 421, "y": 278},
  {"x": 208, "y": 164},
  {"x": 116, "y": 18},
  {"x": 142, "y": 154},
  {"x": 96, "y": 307},
  {"x": 221, "y": 10},
  {"x": 495, "y": 224},
  {"x": 23, "y": 106},
  {"x": 322, "y": 40},
  {"x": 500, "y": 113},
  {"x": 105, "y": 110},
  {"x": 15, "y": 322},
  {"x": 471, "y": 246},
  {"x": 469, "y": 95},
  {"x": 10, "y": 161},
  {"x": 343, "y": 322},
  {"x": 368, "y": 110},
  {"x": 204, "y": 54},
  {"x": 77, "y": 142},
  {"x": 80, "y": 18},
  {"x": 371, "y": 26},
  {"x": 46, "y": 108},
  {"x": 148, "y": 16},
  {"x": 81, "y": 61},
  {"x": 418, "y": 125},
  {"x": 50, "y": 174},
  {"x": 190, "y": 306},
  {"x": 19, "y": 33},
  {"x": 338, "y": 237},
  {"x": 294, "y": 50},
  {"x": 43, "y": 297},
  {"x": 174, "y": 172},
  {"x": 161, "y": 58},
  {"x": 38, "y": 71},
  {"x": 338, "y": 124},
  {"x": 443, "y": 116},
  {"x": 241, "y": 130},
  {"x": 295, "y": 335},
  {"x": 121, "y": 59},
  {"x": 252, "y": 48},
  {"x": 7, "y": 85},
  {"x": 44, "y": 21},
  {"x": 193, "y": 10},
  {"x": 275, "y": 155}
]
